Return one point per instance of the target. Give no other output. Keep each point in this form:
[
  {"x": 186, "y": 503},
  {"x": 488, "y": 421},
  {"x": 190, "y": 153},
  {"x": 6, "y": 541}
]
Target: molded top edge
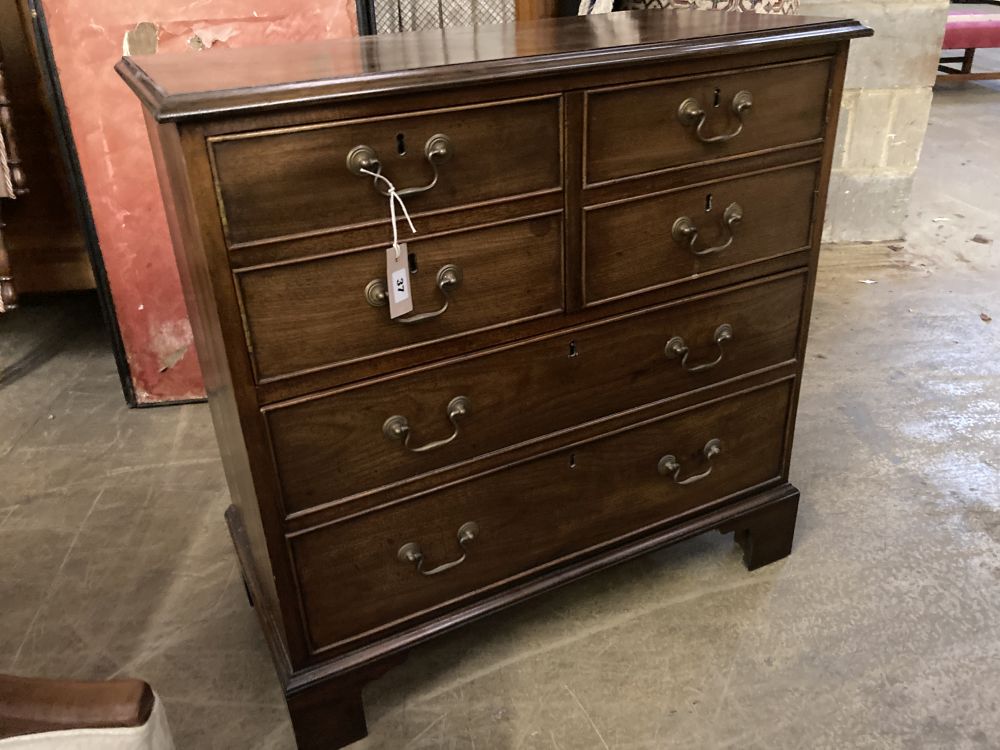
[{"x": 228, "y": 80}]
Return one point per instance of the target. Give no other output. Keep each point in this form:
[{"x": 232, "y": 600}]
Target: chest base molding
[{"x": 325, "y": 701}]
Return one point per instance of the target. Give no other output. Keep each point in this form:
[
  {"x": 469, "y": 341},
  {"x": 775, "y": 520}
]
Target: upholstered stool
[{"x": 968, "y": 30}]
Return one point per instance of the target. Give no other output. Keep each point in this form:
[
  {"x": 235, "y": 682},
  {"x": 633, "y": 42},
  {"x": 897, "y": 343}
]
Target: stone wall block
[
  {"x": 910, "y": 113},
  {"x": 905, "y": 49},
  {"x": 869, "y": 134},
  {"x": 866, "y": 206},
  {"x": 844, "y": 127}
]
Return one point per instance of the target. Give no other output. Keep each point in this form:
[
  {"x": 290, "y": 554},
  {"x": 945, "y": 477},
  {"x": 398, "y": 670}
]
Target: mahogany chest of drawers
[{"x": 617, "y": 231}]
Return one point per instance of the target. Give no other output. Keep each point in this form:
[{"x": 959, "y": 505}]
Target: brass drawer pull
[
  {"x": 669, "y": 465},
  {"x": 677, "y": 348},
  {"x": 690, "y": 113},
  {"x": 684, "y": 230},
  {"x": 397, "y": 427},
  {"x": 412, "y": 554},
  {"x": 364, "y": 159},
  {"x": 448, "y": 278}
]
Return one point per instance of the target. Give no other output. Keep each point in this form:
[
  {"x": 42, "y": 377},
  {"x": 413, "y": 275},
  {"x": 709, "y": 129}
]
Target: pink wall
[{"x": 117, "y": 164}]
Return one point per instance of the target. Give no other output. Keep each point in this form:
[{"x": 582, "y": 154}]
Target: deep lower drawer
[
  {"x": 643, "y": 243},
  {"x": 309, "y": 314},
  {"x": 336, "y": 445},
  {"x": 290, "y": 181},
  {"x": 640, "y": 128},
  {"x": 399, "y": 563}
]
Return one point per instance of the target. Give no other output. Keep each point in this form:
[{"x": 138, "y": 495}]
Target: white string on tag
[{"x": 394, "y": 198}]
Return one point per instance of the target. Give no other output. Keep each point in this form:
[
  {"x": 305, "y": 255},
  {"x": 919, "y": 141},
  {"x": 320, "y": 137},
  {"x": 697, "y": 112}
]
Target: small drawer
[
  {"x": 349, "y": 441},
  {"x": 402, "y": 563},
  {"x": 639, "y": 244},
  {"x": 634, "y": 130},
  {"x": 310, "y": 314},
  {"x": 285, "y": 182}
]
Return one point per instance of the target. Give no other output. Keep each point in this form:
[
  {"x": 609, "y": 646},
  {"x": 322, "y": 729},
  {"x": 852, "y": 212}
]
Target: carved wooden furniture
[
  {"x": 618, "y": 223},
  {"x": 44, "y": 232},
  {"x": 12, "y": 184}
]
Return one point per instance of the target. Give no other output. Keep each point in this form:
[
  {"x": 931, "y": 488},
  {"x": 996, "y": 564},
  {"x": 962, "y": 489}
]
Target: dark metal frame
[
  {"x": 50, "y": 79},
  {"x": 367, "y": 25},
  {"x": 366, "y": 17}
]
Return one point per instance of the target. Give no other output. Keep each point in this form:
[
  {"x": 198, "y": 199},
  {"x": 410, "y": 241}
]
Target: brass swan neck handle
[
  {"x": 448, "y": 277},
  {"x": 685, "y": 231},
  {"x": 677, "y": 348},
  {"x": 691, "y": 113},
  {"x": 412, "y": 554},
  {"x": 669, "y": 466},
  {"x": 397, "y": 427},
  {"x": 363, "y": 161}
]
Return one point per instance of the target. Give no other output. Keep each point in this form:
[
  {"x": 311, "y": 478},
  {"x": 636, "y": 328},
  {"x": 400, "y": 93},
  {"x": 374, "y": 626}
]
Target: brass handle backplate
[
  {"x": 412, "y": 554},
  {"x": 397, "y": 427},
  {"x": 676, "y": 347},
  {"x": 685, "y": 231},
  {"x": 691, "y": 113},
  {"x": 669, "y": 466},
  {"x": 448, "y": 277},
  {"x": 362, "y": 160}
]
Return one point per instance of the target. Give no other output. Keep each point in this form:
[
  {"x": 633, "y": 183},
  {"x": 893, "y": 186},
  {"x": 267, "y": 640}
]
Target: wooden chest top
[{"x": 179, "y": 86}]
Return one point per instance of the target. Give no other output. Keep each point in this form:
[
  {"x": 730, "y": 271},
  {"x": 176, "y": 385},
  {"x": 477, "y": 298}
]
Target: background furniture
[
  {"x": 609, "y": 313},
  {"x": 12, "y": 184},
  {"x": 968, "y": 30},
  {"x": 43, "y": 233},
  {"x": 393, "y": 16}
]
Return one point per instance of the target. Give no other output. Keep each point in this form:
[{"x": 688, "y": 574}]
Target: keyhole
[
  {"x": 718, "y": 98},
  {"x": 708, "y": 203},
  {"x": 572, "y": 460},
  {"x": 401, "y": 143},
  {"x": 413, "y": 263},
  {"x": 572, "y": 349}
]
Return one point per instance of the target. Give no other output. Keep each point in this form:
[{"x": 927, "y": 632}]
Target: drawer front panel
[
  {"x": 631, "y": 246},
  {"x": 352, "y": 580},
  {"x": 636, "y": 130},
  {"x": 287, "y": 182},
  {"x": 334, "y": 446},
  {"x": 312, "y": 314}
]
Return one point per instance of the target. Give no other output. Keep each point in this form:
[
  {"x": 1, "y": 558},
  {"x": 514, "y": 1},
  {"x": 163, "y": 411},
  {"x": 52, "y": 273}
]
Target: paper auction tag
[{"x": 397, "y": 273}]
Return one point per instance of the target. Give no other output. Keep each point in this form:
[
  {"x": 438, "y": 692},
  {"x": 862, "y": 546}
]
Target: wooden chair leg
[{"x": 970, "y": 53}]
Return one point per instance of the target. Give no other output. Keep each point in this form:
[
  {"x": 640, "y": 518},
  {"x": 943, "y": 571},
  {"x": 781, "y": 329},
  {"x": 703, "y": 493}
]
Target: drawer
[
  {"x": 644, "y": 243},
  {"x": 336, "y": 446},
  {"x": 309, "y": 314},
  {"x": 633, "y": 130},
  {"x": 289, "y": 181},
  {"x": 533, "y": 514}
]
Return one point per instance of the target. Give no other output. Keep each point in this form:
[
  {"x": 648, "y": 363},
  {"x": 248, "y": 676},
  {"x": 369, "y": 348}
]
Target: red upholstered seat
[{"x": 971, "y": 30}]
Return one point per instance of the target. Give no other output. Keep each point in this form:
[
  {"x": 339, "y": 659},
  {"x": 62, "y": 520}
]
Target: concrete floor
[{"x": 882, "y": 630}]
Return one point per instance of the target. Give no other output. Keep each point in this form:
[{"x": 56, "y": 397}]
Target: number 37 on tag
[{"x": 397, "y": 272}]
